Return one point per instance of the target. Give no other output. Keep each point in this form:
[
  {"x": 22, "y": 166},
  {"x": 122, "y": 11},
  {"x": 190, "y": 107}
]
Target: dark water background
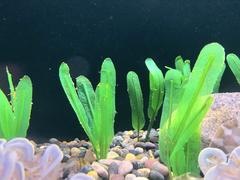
[{"x": 37, "y": 35}]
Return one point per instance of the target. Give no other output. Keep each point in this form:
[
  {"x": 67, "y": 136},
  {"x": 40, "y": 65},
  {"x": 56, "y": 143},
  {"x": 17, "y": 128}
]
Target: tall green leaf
[
  {"x": 23, "y": 105},
  {"x": 86, "y": 96},
  {"x": 71, "y": 93},
  {"x": 7, "y": 124},
  {"x": 156, "y": 88},
  {"x": 136, "y": 100},
  {"x": 234, "y": 64}
]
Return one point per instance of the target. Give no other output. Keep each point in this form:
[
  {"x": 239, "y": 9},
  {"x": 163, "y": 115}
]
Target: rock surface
[{"x": 225, "y": 109}]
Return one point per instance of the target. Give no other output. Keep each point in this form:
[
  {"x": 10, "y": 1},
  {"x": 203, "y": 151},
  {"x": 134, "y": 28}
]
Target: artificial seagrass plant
[
  {"x": 234, "y": 64},
  {"x": 95, "y": 109},
  {"x": 136, "y": 101},
  {"x": 15, "y": 114},
  {"x": 156, "y": 92},
  {"x": 187, "y": 100}
]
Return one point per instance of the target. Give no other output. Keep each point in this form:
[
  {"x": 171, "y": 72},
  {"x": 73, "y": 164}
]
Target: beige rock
[{"x": 224, "y": 110}]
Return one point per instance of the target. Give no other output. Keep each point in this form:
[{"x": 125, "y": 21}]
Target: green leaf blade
[
  {"x": 72, "y": 96},
  {"x": 234, "y": 64},
  {"x": 22, "y": 106},
  {"x": 136, "y": 100}
]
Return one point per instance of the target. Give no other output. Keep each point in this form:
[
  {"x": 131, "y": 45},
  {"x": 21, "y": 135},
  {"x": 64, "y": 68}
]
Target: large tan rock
[{"x": 220, "y": 127}]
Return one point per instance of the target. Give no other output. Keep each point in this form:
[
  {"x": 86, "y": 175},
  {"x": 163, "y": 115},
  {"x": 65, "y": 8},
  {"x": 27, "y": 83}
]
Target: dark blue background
[{"x": 37, "y": 35}]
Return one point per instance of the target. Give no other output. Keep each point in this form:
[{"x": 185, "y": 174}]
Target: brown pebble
[
  {"x": 100, "y": 170},
  {"x": 89, "y": 157},
  {"x": 160, "y": 168},
  {"x": 116, "y": 177},
  {"x": 75, "y": 152}
]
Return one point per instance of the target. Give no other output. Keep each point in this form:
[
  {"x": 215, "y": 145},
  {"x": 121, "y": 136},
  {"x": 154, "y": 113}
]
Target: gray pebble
[
  {"x": 113, "y": 168},
  {"x": 54, "y": 141},
  {"x": 149, "y": 145},
  {"x": 137, "y": 164},
  {"x": 154, "y": 175},
  {"x": 86, "y": 169}
]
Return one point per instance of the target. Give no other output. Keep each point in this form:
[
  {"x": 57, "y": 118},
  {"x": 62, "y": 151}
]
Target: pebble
[
  {"x": 139, "y": 150},
  {"x": 54, "y": 141},
  {"x": 140, "y": 144},
  {"x": 143, "y": 172},
  {"x": 93, "y": 174},
  {"x": 153, "y": 136},
  {"x": 154, "y": 175},
  {"x": 72, "y": 144},
  {"x": 108, "y": 161},
  {"x": 130, "y": 157},
  {"x": 86, "y": 169},
  {"x": 116, "y": 177},
  {"x": 112, "y": 155},
  {"x": 117, "y": 141},
  {"x": 149, "y": 163},
  {"x": 113, "y": 168},
  {"x": 125, "y": 167},
  {"x": 141, "y": 178},
  {"x": 156, "y": 154},
  {"x": 137, "y": 164},
  {"x": 149, "y": 145},
  {"x": 100, "y": 170},
  {"x": 81, "y": 176},
  {"x": 130, "y": 177},
  {"x": 160, "y": 168},
  {"x": 75, "y": 152},
  {"x": 89, "y": 156}
]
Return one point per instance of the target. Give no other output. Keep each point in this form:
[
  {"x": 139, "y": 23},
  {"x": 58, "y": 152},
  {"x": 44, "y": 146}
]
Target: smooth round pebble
[
  {"x": 139, "y": 150},
  {"x": 141, "y": 178},
  {"x": 113, "y": 168},
  {"x": 154, "y": 175},
  {"x": 86, "y": 169},
  {"x": 100, "y": 170},
  {"x": 93, "y": 174},
  {"x": 137, "y": 164},
  {"x": 160, "y": 168},
  {"x": 130, "y": 177},
  {"x": 130, "y": 157},
  {"x": 149, "y": 145},
  {"x": 149, "y": 163},
  {"x": 81, "y": 176},
  {"x": 116, "y": 177},
  {"x": 112, "y": 155},
  {"x": 54, "y": 141},
  {"x": 125, "y": 167},
  {"x": 143, "y": 172},
  {"x": 75, "y": 152}
]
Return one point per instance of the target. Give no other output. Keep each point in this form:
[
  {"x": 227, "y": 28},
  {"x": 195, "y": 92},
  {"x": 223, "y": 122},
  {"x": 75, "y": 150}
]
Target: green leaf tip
[{"x": 234, "y": 64}]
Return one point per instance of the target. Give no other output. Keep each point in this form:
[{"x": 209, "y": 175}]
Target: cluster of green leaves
[
  {"x": 95, "y": 109},
  {"x": 187, "y": 100},
  {"x": 234, "y": 64},
  {"x": 15, "y": 115},
  {"x": 156, "y": 83}
]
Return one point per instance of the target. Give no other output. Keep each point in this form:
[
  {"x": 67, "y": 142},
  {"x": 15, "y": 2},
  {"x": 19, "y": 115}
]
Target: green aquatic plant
[
  {"x": 15, "y": 115},
  {"x": 234, "y": 64},
  {"x": 136, "y": 101},
  {"x": 95, "y": 109},
  {"x": 156, "y": 92},
  {"x": 185, "y": 105}
]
